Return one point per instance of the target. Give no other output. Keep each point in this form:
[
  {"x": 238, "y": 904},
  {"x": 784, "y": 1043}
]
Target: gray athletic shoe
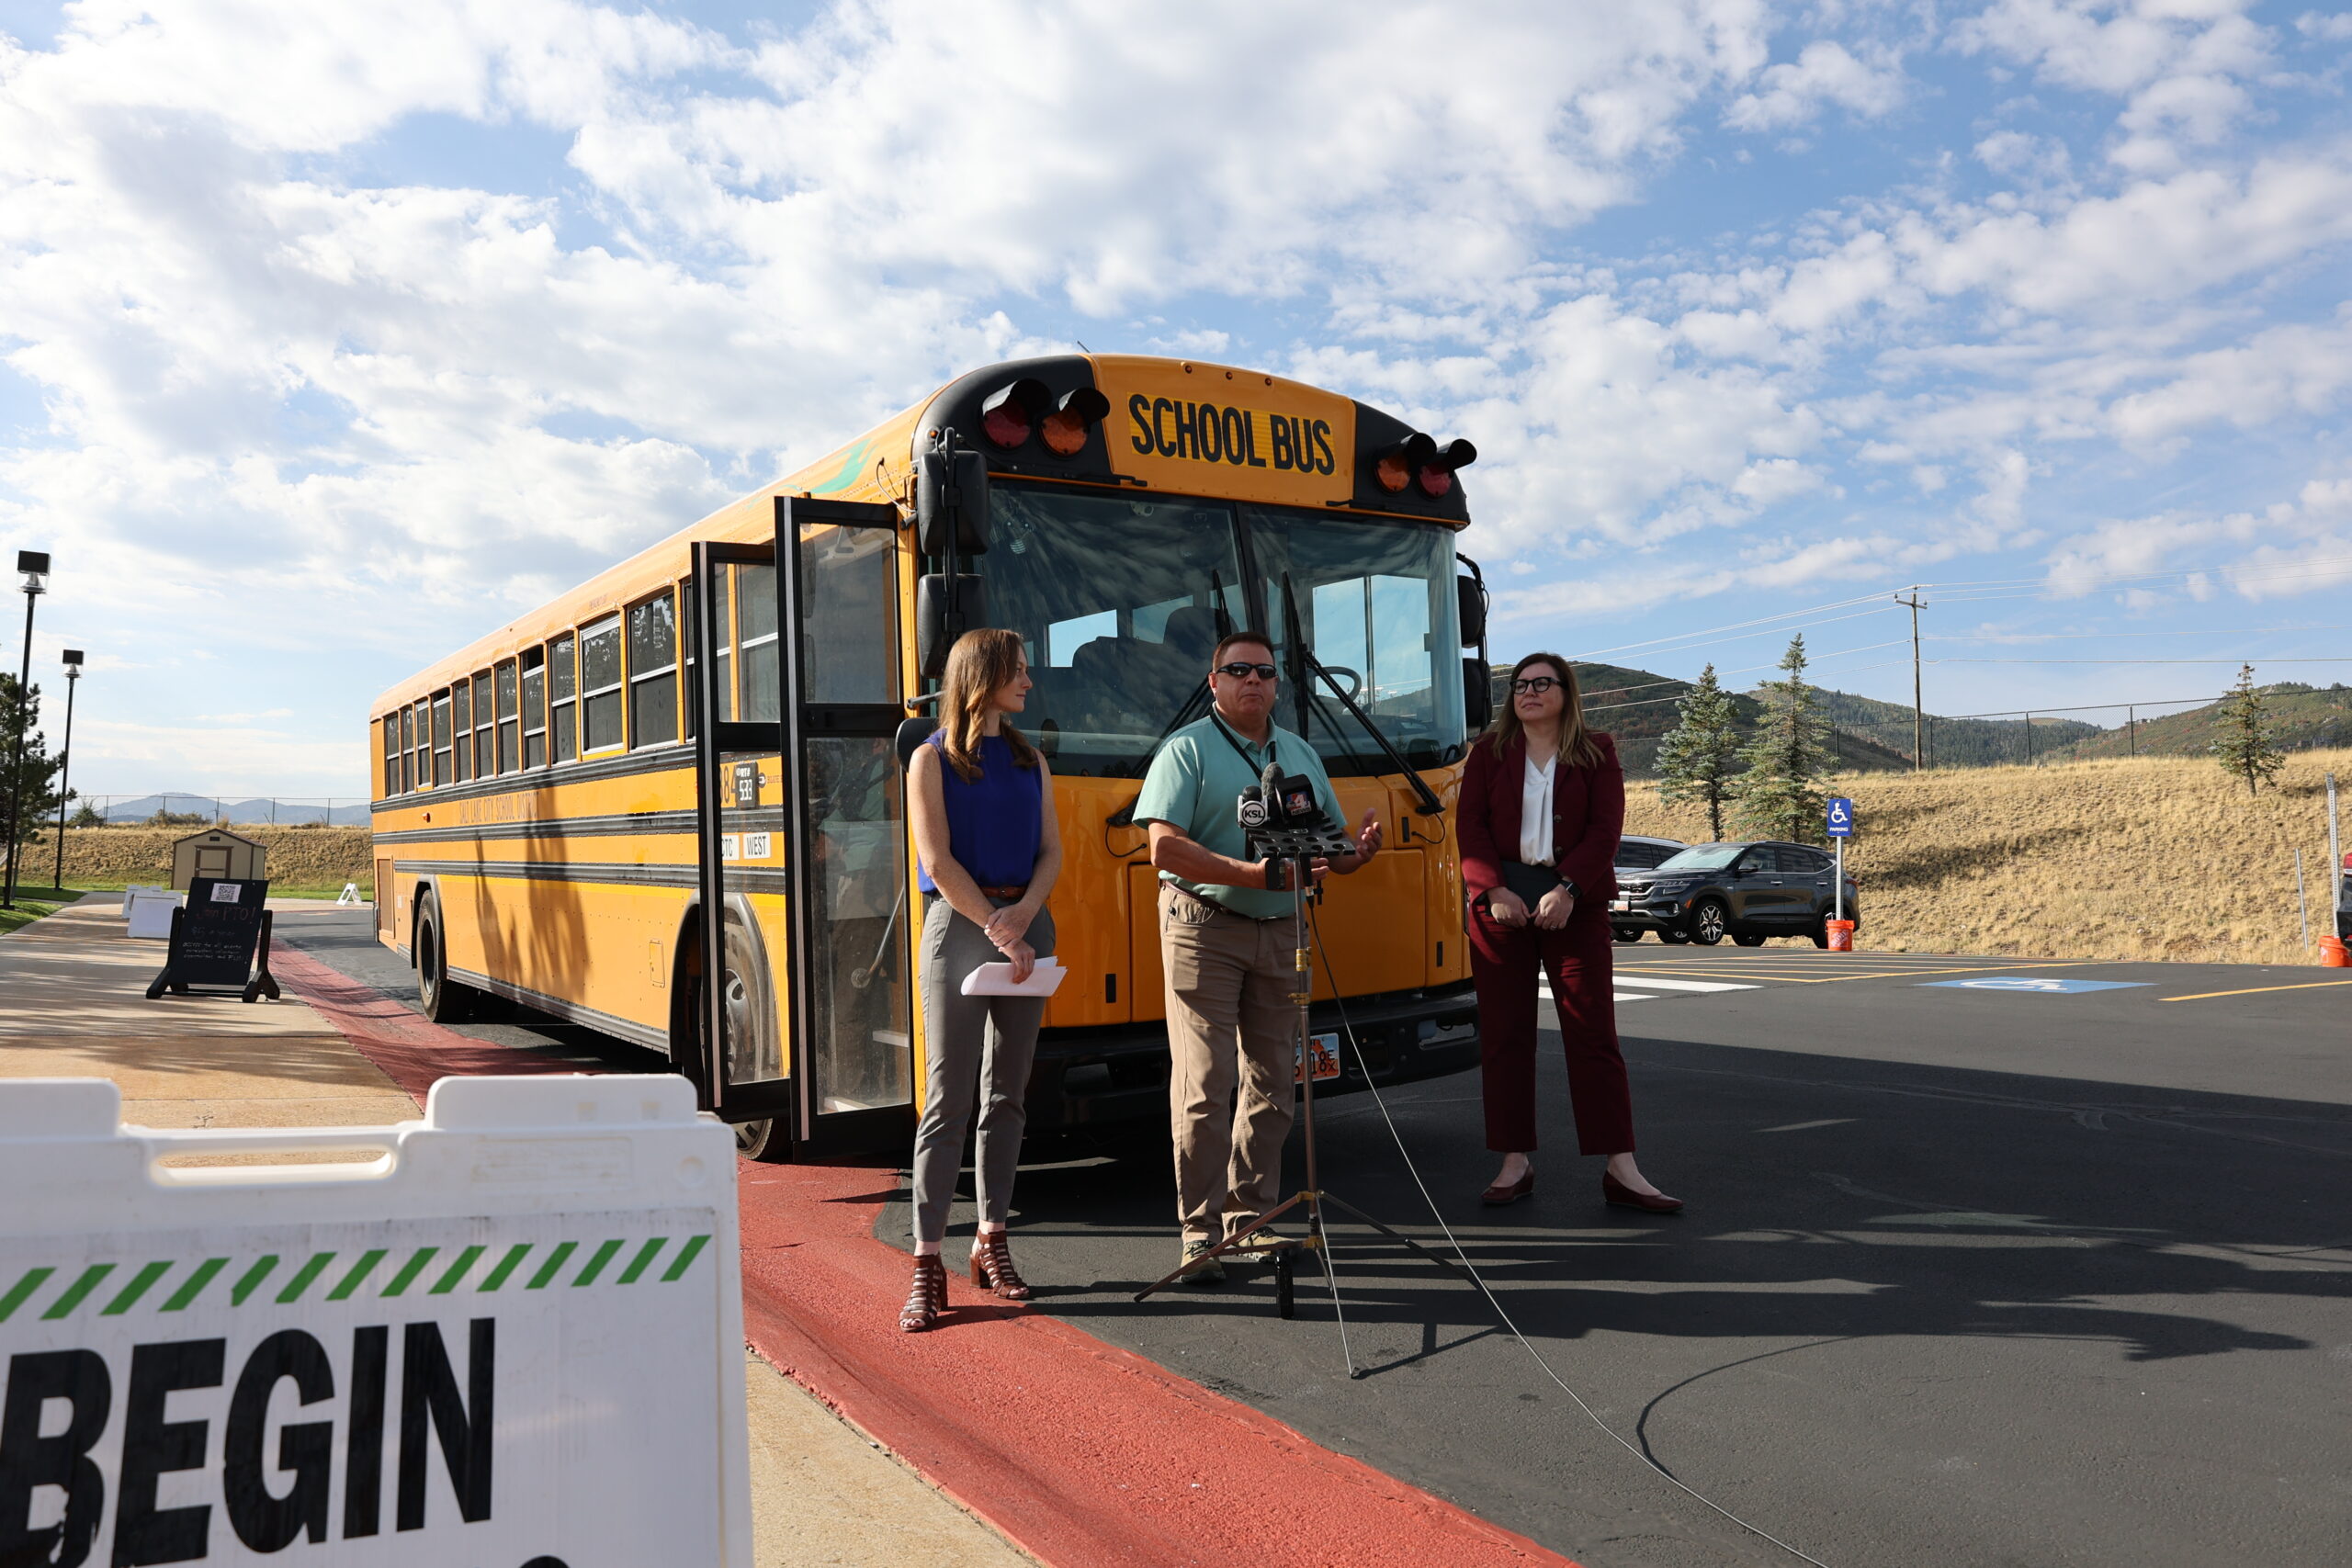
[{"x": 1199, "y": 1268}]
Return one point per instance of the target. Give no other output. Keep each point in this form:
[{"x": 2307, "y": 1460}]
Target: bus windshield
[{"x": 1117, "y": 597}]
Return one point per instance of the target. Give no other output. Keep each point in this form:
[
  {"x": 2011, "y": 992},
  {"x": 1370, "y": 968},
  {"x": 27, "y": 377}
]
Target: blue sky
[{"x": 332, "y": 336}]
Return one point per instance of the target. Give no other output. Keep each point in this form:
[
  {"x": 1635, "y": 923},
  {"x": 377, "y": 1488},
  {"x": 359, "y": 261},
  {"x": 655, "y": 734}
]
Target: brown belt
[
  {"x": 1207, "y": 902},
  {"x": 1006, "y": 893}
]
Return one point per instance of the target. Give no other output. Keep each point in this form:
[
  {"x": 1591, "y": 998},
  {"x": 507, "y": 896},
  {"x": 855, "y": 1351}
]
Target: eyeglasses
[
  {"x": 1539, "y": 684},
  {"x": 1241, "y": 671}
]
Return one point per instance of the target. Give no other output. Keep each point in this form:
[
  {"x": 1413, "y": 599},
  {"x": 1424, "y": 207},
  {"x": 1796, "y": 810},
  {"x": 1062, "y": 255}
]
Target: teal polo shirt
[{"x": 1195, "y": 781}]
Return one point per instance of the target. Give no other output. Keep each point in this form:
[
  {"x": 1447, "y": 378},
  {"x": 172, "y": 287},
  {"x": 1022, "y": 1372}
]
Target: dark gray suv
[{"x": 1749, "y": 892}]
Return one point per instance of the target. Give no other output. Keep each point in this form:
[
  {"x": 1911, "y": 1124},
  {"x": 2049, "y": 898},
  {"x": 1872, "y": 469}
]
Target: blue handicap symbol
[
  {"x": 2036, "y": 982},
  {"x": 1841, "y": 817}
]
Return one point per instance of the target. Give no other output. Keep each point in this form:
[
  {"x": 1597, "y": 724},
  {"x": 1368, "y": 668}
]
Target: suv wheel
[{"x": 1708, "y": 920}]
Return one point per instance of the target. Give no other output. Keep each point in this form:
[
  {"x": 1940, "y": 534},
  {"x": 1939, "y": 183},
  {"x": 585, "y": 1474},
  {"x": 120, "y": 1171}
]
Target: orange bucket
[
  {"x": 2332, "y": 953},
  {"x": 1841, "y": 936}
]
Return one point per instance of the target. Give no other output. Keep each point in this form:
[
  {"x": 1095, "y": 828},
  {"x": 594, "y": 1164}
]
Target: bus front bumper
[{"x": 1101, "y": 1077}]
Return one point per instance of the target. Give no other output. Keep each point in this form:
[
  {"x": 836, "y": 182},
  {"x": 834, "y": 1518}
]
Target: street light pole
[
  {"x": 34, "y": 564},
  {"x": 65, "y": 763}
]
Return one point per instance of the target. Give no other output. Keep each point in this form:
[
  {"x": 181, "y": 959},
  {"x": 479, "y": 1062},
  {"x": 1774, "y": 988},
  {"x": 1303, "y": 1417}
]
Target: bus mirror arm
[{"x": 1429, "y": 805}]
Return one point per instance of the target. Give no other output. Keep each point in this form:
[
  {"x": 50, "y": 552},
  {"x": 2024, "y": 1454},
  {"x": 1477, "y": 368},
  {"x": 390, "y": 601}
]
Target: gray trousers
[{"x": 974, "y": 1046}]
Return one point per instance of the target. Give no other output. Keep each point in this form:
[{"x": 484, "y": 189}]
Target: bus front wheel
[{"x": 445, "y": 1000}]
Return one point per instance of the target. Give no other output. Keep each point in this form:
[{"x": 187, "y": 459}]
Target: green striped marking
[
  {"x": 359, "y": 1271},
  {"x": 686, "y": 1258},
  {"x": 125, "y": 1297},
  {"x": 250, "y": 1281},
  {"x": 410, "y": 1270},
  {"x": 195, "y": 1283},
  {"x": 549, "y": 1268},
  {"x": 506, "y": 1265},
  {"x": 81, "y": 1288},
  {"x": 554, "y": 1265},
  {"x": 644, "y": 1255},
  {"x": 602, "y": 1256},
  {"x": 456, "y": 1271},
  {"x": 303, "y": 1276},
  {"x": 33, "y": 1280}
]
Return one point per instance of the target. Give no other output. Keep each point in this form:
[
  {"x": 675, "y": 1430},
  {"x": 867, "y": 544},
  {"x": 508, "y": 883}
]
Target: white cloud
[{"x": 1824, "y": 72}]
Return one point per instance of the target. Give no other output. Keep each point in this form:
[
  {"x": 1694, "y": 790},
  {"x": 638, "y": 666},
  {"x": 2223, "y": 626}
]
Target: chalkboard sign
[{"x": 215, "y": 939}]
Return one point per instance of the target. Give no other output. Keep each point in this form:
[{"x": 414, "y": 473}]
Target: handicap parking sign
[
  {"x": 1841, "y": 817},
  {"x": 2036, "y": 982}
]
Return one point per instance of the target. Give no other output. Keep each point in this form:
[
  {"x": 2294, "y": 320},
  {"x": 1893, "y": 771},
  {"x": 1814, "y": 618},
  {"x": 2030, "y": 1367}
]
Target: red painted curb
[{"x": 1081, "y": 1453}]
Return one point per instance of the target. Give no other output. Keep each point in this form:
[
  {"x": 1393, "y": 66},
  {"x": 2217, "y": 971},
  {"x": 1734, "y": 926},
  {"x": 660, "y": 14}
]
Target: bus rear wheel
[{"x": 445, "y": 1000}]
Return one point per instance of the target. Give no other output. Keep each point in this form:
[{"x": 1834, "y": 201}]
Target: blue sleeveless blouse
[{"x": 994, "y": 822}]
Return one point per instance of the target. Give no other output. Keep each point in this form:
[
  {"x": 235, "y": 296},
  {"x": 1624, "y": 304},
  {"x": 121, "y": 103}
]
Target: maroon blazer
[{"x": 1588, "y": 816}]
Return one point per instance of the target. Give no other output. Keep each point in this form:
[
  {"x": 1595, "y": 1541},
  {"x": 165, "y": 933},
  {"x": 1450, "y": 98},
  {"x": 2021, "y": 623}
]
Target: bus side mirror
[
  {"x": 952, "y": 491},
  {"x": 1472, "y": 594},
  {"x": 1477, "y": 694},
  {"x": 945, "y": 608}
]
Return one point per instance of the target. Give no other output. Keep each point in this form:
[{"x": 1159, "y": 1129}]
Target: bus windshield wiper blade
[{"x": 1430, "y": 804}]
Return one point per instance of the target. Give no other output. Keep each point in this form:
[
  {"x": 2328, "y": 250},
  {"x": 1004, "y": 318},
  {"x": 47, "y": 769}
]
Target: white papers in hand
[{"x": 996, "y": 980}]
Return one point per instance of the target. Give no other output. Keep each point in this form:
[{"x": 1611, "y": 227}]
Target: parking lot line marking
[
  {"x": 1633, "y": 997},
  {"x": 1657, "y": 983},
  {"x": 2255, "y": 990},
  {"x": 1784, "y": 980}
]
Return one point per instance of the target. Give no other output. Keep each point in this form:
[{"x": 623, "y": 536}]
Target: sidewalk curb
[{"x": 1080, "y": 1453}]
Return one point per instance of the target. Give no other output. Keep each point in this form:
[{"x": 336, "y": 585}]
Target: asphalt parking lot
[{"x": 1982, "y": 1265}]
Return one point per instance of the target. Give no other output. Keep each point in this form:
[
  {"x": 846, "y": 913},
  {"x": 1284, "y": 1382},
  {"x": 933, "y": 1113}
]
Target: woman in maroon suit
[{"x": 1542, "y": 803}]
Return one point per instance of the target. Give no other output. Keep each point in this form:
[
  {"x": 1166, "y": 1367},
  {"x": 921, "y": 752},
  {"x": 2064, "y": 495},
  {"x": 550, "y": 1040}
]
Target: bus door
[{"x": 828, "y": 907}]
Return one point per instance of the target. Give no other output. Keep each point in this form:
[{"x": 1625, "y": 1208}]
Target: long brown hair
[
  {"x": 1578, "y": 749},
  {"x": 981, "y": 662}
]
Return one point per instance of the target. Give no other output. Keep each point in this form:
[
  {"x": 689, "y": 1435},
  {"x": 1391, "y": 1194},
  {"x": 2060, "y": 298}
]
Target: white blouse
[{"x": 1536, "y": 812}]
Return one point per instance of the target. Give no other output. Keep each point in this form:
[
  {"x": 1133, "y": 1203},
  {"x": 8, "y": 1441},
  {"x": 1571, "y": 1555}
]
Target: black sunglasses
[
  {"x": 1238, "y": 670},
  {"x": 1539, "y": 684}
]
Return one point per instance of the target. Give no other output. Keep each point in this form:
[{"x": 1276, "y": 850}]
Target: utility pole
[
  {"x": 2029, "y": 742},
  {"x": 2132, "y": 728},
  {"x": 1918, "y": 714}
]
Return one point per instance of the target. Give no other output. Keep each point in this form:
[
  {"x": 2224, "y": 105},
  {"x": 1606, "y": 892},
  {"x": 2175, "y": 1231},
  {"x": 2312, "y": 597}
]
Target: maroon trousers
[{"x": 1503, "y": 962}]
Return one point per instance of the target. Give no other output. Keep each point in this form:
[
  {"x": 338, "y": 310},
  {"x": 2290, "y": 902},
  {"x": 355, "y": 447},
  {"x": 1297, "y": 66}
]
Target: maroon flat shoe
[
  {"x": 1625, "y": 1197},
  {"x": 1499, "y": 1196}
]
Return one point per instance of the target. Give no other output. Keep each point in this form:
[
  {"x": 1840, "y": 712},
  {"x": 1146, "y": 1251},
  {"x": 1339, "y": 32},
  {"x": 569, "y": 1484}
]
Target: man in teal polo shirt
[{"x": 1228, "y": 944}]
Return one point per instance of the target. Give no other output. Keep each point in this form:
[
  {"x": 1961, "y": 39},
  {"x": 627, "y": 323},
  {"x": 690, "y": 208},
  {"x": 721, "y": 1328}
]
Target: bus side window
[
  {"x": 461, "y": 726},
  {"x": 441, "y": 773},
  {"x": 407, "y": 745},
  {"x": 653, "y": 671},
  {"x": 510, "y": 750},
  {"x": 535, "y": 708},
  {"x": 600, "y": 685},
  {"x": 563, "y": 684},
  {"x": 392, "y": 723},
  {"x": 485, "y": 729}
]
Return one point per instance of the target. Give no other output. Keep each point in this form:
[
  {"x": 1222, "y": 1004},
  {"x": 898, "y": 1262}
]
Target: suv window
[
  {"x": 1636, "y": 856},
  {"x": 1814, "y": 861}
]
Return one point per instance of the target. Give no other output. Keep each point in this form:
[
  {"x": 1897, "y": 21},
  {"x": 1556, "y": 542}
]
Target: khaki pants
[{"x": 1230, "y": 985}]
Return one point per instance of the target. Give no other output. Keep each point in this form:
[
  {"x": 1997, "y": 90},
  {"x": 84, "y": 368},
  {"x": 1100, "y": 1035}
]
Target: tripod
[{"x": 1300, "y": 847}]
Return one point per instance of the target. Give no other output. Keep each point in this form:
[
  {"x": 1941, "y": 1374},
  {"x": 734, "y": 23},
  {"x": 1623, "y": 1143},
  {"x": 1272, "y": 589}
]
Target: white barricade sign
[
  {"x": 513, "y": 1339},
  {"x": 150, "y": 912}
]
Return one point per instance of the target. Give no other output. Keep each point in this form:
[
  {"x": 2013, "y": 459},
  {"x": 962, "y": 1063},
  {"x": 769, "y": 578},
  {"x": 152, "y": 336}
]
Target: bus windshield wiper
[{"x": 1307, "y": 663}]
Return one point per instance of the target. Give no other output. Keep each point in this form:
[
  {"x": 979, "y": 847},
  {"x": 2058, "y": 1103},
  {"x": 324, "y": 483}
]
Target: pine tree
[
  {"x": 1697, "y": 761},
  {"x": 36, "y": 778},
  {"x": 2246, "y": 744},
  {"x": 1781, "y": 794}
]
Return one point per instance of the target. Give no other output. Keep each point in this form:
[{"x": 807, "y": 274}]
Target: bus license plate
[{"x": 1325, "y": 1049}]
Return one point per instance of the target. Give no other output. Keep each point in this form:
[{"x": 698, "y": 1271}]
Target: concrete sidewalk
[{"x": 72, "y": 1005}]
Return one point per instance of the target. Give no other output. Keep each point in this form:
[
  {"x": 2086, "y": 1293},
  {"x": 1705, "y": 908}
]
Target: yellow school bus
[{"x": 578, "y": 810}]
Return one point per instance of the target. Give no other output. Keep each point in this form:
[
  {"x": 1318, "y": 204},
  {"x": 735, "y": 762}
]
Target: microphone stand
[{"x": 1298, "y": 848}]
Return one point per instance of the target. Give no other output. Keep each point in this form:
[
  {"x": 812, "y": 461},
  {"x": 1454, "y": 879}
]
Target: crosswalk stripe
[{"x": 1659, "y": 983}]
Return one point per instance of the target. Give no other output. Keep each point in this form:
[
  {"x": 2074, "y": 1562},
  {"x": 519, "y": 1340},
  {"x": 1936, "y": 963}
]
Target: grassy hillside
[
  {"x": 2148, "y": 857},
  {"x": 2306, "y": 719},
  {"x": 1636, "y": 708},
  {"x": 304, "y": 859},
  {"x": 1955, "y": 742}
]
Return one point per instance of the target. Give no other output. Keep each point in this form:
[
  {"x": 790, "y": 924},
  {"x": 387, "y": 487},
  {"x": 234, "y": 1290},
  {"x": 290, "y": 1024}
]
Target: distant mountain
[
  {"x": 212, "y": 807},
  {"x": 1955, "y": 742},
  {"x": 1637, "y": 707}
]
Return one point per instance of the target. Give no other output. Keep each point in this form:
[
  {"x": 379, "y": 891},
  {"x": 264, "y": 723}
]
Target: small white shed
[{"x": 217, "y": 852}]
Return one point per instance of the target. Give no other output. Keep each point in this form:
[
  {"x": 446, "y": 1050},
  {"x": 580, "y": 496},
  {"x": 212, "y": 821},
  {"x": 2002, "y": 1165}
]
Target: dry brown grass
[
  {"x": 2148, "y": 857},
  {"x": 298, "y": 857}
]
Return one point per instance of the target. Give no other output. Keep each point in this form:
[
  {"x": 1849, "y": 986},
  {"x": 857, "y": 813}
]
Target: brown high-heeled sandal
[
  {"x": 993, "y": 1267},
  {"x": 926, "y": 1297}
]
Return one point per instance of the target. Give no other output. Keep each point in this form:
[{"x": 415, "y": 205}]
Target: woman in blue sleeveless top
[{"x": 982, "y": 803}]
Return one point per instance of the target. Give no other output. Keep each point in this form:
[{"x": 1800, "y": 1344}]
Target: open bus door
[{"x": 806, "y": 1035}]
